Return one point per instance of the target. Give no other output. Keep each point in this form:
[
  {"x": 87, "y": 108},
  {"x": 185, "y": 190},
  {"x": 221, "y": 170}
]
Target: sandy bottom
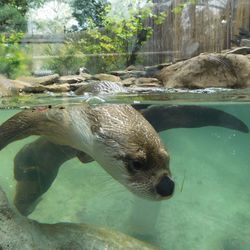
[{"x": 210, "y": 209}]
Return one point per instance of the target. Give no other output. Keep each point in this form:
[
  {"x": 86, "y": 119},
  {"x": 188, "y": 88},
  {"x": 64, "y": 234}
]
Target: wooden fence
[{"x": 201, "y": 27}]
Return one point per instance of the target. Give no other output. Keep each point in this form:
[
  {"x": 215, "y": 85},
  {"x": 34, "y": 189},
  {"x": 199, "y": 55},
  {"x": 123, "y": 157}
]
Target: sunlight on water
[{"x": 211, "y": 205}]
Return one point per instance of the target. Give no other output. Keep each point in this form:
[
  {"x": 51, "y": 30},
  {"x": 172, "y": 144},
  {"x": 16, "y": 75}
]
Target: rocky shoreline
[{"x": 230, "y": 69}]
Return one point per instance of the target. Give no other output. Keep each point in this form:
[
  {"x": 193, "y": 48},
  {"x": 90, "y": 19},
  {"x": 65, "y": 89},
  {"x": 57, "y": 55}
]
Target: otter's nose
[{"x": 165, "y": 187}]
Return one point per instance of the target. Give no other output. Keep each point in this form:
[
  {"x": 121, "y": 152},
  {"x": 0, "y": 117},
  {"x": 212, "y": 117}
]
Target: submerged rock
[{"x": 18, "y": 232}]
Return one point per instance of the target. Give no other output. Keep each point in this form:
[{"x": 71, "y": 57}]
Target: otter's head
[{"x": 131, "y": 151}]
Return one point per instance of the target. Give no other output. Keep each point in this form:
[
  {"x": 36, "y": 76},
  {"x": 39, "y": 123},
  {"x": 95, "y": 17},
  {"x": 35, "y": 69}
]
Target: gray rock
[{"x": 18, "y": 232}]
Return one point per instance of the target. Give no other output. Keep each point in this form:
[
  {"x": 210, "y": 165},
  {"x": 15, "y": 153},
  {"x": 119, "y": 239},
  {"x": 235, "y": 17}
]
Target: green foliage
[
  {"x": 13, "y": 60},
  {"x": 110, "y": 43},
  {"x": 180, "y": 7},
  {"x": 117, "y": 43},
  {"x": 64, "y": 60},
  {"x": 23, "y": 5},
  {"x": 85, "y": 11},
  {"x": 20, "y": 5},
  {"x": 11, "y": 19}
]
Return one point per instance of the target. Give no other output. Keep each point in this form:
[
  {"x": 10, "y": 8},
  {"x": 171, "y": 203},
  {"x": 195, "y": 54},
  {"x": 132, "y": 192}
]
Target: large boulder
[
  {"x": 208, "y": 70},
  {"x": 18, "y": 232}
]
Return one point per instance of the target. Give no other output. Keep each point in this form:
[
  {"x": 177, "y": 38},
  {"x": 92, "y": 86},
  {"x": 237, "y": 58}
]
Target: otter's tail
[{"x": 190, "y": 116}]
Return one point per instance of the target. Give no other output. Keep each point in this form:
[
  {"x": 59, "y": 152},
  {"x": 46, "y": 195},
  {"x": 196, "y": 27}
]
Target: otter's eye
[{"x": 135, "y": 166}]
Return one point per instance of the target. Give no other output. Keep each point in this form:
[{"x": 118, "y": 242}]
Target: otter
[{"x": 121, "y": 139}]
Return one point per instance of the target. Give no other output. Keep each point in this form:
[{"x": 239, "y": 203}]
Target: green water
[{"x": 210, "y": 208}]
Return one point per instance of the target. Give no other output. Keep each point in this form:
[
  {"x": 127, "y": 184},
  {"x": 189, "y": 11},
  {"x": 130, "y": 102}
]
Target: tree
[
  {"x": 20, "y": 5},
  {"x": 14, "y": 61},
  {"x": 11, "y": 19},
  {"x": 118, "y": 42},
  {"x": 86, "y": 11}
]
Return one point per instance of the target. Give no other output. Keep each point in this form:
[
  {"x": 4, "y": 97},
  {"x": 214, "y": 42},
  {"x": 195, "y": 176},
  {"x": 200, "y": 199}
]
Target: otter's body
[{"x": 118, "y": 137}]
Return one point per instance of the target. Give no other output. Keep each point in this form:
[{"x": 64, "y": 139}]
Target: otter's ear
[{"x": 190, "y": 116}]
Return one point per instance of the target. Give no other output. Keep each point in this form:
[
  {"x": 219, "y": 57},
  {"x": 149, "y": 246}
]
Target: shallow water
[{"x": 211, "y": 205}]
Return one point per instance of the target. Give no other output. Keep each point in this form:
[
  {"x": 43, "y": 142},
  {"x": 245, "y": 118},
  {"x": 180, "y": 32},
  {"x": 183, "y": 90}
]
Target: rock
[
  {"x": 70, "y": 79},
  {"x": 152, "y": 71},
  {"x": 34, "y": 89},
  {"x": 11, "y": 87},
  {"x": 147, "y": 81},
  {"x": 75, "y": 86},
  {"x": 43, "y": 80},
  {"x": 20, "y": 84},
  {"x": 101, "y": 87},
  {"x": 208, "y": 70},
  {"x": 128, "y": 74},
  {"x": 57, "y": 88},
  {"x": 106, "y": 77},
  {"x": 135, "y": 68},
  {"x": 129, "y": 81},
  {"x": 245, "y": 42},
  {"x": 240, "y": 51},
  {"x": 17, "y": 231},
  {"x": 86, "y": 76},
  {"x": 147, "y": 85}
]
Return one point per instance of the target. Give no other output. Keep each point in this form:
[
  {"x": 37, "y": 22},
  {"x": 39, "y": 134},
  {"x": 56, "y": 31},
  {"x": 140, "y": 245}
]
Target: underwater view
[
  {"x": 124, "y": 124},
  {"x": 210, "y": 166}
]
